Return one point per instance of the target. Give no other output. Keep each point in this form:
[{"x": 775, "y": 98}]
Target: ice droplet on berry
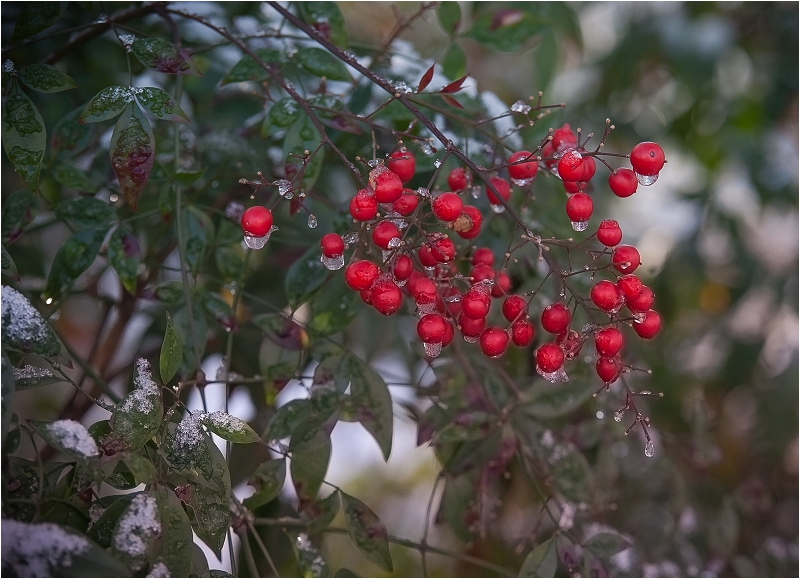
[
  {"x": 284, "y": 188},
  {"x": 470, "y": 339},
  {"x": 373, "y": 163},
  {"x": 618, "y": 416},
  {"x": 559, "y": 375},
  {"x": 455, "y": 298},
  {"x": 423, "y": 192},
  {"x": 255, "y": 242},
  {"x": 639, "y": 316},
  {"x": 580, "y": 225},
  {"x": 312, "y": 221},
  {"x": 476, "y": 192},
  {"x": 425, "y": 309},
  {"x": 497, "y": 208},
  {"x": 394, "y": 243},
  {"x": 432, "y": 350},
  {"x": 520, "y": 107},
  {"x": 437, "y": 163},
  {"x": 522, "y": 182},
  {"x": 332, "y": 263},
  {"x": 426, "y": 148},
  {"x": 646, "y": 179},
  {"x": 649, "y": 449}
]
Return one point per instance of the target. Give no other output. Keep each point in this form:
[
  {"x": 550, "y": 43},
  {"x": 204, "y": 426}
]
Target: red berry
[
  {"x": 642, "y": 302},
  {"x": 471, "y": 328},
  {"x": 432, "y": 328},
  {"x": 522, "y": 333},
  {"x": 475, "y": 305},
  {"x": 454, "y": 307},
  {"x": 647, "y": 158},
  {"x": 513, "y": 306},
  {"x": 630, "y": 286},
  {"x": 443, "y": 249},
  {"x": 556, "y": 318},
  {"x": 482, "y": 272},
  {"x": 549, "y": 358},
  {"x": 609, "y": 233},
  {"x": 503, "y": 189},
  {"x": 386, "y": 297},
  {"x": 383, "y": 233},
  {"x": 522, "y": 171},
  {"x": 475, "y": 218},
  {"x": 563, "y": 137},
  {"x": 579, "y": 207},
  {"x": 364, "y": 206},
  {"x": 570, "y": 165},
  {"x": 589, "y": 167},
  {"x": 403, "y": 267},
  {"x": 257, "y": 221},
  {"x": 606, "y": 296},
  {"x": 623, "y": 183},
  {"x": 332, "y": 245},
  {"x": 366, "y": 296},
  {"x": 572, "y": 187},
  {"x": 608, "y": 369},
  {"x": 402, "y": 163},
  {"x": 494, "y": 342},
  {"x": 360, "y": 275},
  {"x": 426, "y": 256},
  {"x": 406, "y": 204},
  {"x": 423, "y": 291},
  {"x": 625, "y": 258},
  {"x": 649, "y": 327},
  {"x": 458, "y": 179},
  {"x": 387, "y": 185},
  {"x": 608, "y": 342},
  {"x": 448, "y": 334},
  {"x": 502, "y": 284},
  {"x": 447, "y": 207},
  {"x": 571, "y": 343},
  {"x": 483, "y": 255}
]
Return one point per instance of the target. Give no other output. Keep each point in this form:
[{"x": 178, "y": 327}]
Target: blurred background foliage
[{"x": 716, "y": 85}]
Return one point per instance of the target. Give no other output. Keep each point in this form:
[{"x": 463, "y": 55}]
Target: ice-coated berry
[
  {"x": 522, "y": 165},
  {"x": 649, "y": 327},
  {"x": 556, "y": 318},
  {"x": 647, "y": 158},
  {"x": 609, "y": 233},
  {"x": 625, "y": 258},
  {"x": 522, "y": 333},
  {"x": 549, "y": 358},
  {"x": 360, "y": 275},
  {"x": 432, "y": 328},
  {"x": 383, "y": 233},
  {"x": 606, "y": 296},
  {"x": 402, "y": 163},
  {"x": 493, "y": 342},
  {"x": 257, "y": 221},
  {"x": 386, "y": 297},
  {"x": 503, "y": 189},
  {"x": 608, "y": 342},
  {"x": 458, "y": 179},
  {"x": 608, "y": 369},
  {"x": 513, "y": 306},
  {"x": 364, "y": 206},
  {"x": 406, "y": 203},
  {"x": 332, "y": 245},
  {"x": 447, "y": 207}
]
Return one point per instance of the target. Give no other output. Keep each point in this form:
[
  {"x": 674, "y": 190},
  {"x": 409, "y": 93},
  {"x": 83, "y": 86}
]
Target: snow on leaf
[
  {"x": 138, "y": 416},
  {"x": 24, "y": 328},
  {"x": 137, "y": 527},
  {"x": 73, "y": 437},
  {"x": 229, "y": 427},
  {"x": 38, "y": 550}
]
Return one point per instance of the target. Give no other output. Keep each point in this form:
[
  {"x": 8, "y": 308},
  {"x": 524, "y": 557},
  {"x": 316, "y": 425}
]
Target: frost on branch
[
  {"x": 24, "y": 328},
  {"x": 38, "y": 550}
]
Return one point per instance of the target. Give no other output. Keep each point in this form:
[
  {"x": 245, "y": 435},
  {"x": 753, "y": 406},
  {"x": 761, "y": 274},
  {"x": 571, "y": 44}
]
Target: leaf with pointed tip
[
  {"x": 310, "y": 458},
  {"x": 229, "y": 428},
  {"x": 305, "y": 276},
  {"x": 541, "y": 562},
  {"x": 171, "y": 353},
  {"x": 454, "y": 86},
  {"x": 218, "y": 309},
  {"x": 287, "y": 418},
  {"x": 373, "y": 403},
  {"x": 24, "y": 328},
  {"x": 138, "y": 416},
  {"x": 174, "y": 545},
  {"x": 45, "y": 78},
  {"x": 506, "y": 30},
  {"x": 24, "y": 136},
  {"x": 9, "y": 267},
  {"x": 132, "y": 153},
  {"x": 268, "y": 480},
  {"x": 321, "y": 63},
  {"x": 426, "y": 79},
  {"x": 309, "y": 558},
  {"x": 84, "y": 212},
  {"x": 70, "y": 136},
  {"x": 124, "y": 256},
  {"x": 327, "y": 19},
  {"x": 74, "y": 257},
  {"x": 34, "y": 17},
  {"x": 163, "y": 56},
  {"x": 106, "y": 104},
  {"x": 455, "y": 62},
  {"x": 553, "y": 400},
  {"x": 367, "y": 532},
  {"x": 606, "y": 544},
  {"x": 160, "y": 104},
  {"x": 19, "y": 209},
  {"x": 248, "y": 69},
  {"x": 32, "y": 377},
  {"x": 74, "y": 178},
  {"x": 67, "y": 438},
  {"x": 449, "y": 14},
  {"x": 198, "y": 231},
  {"x": 451, "y": 101},
  {"x": 320, "y": 514},
  {"x": 212, "y": 506}
]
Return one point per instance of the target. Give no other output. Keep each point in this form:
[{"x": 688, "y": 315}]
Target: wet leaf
[
  {"x": 218, "y": 309},
  {"x": 321, "y": 63},
  {"x": 248, "y": 69},
  {"x": 74, "y": 178},
  {"x": 334, "y": 309},
  {"x": 45, "y": 78},
  {"x": 160, "y": 104},
  {"x": 8, "y": 265},
  {"x": 282, "y": 114},
  {"x": 229, "y": 428},
  {"x": 553, "y": 400},
  {"x": 327, "y": 19},
  {"x": 69, "y": 136},
  {"x": 305, "y": 276},
  {"x": 184, "y": 447},
  {"x": 106, "y": 104},
  {"x": 132, "y": 153},
  {"x": 229, "y": 262},
  {"x": 197, "y": 231},
  {"x": 505, "y": 30},
  {"x": 309, "y": 558},
  {"x": 23, "y": 327},
  {"x": 163, "y": 56},
  {"x": 319, "y": 514},
  {"x": 24, "y": 136},
  {"x": 19, "y": 209},
  {"x": 85, "y": 212},
  {"x": 211, "y": 504},
  {"x": 287, "y": 418},
  {"x": 74, "y": 257},
  {"x": 466, "y": 426},
  {"x": 174, "y": 547},
  {"x": 455, "y": 62},
  {"x": 541, "y": 562},
  {"x": 449, "y": 15},
  {"x": 141, "y": 468},
  {"x": 367, "y": 532},
  {"x": 426, "y": 79},
  {"x": 139, "y": 415},
  {"x": 171, "y": 353},
  {"x": 372, "y": 402},
  {"x": 268, "y": 480},
  {"x": 34, "y": 17},
  {"x": 310, "y": 458},
  {"x": 69, "y": 437},
  {"x": 124, "y": 256}
]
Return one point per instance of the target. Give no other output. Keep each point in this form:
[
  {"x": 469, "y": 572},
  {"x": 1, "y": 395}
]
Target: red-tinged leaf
[
  {"x": 163, "y": 56},
  {"x": 451, "y": 101},
  {"x": 454, "y": 86},
  {"x": 426, "y": 79},
  {"x": 132, "y": 153}
]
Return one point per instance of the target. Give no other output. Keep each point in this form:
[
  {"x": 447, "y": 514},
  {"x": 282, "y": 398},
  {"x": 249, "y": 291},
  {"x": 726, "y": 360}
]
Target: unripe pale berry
[
  {"x": 579, "y": 207},
  {"x": 623, "y": 182},
  {"x": 475, "y": 305},
  {"x": 502, "y": 283},
  {"x": 642, "y": 302},
  {"x": 257, "y": 221},
  {"x": 608, "y": 369},
  {"x": 332, "y": 245},
  {"x": 556, "y": 318},
  {"x": 406, "y": 204},
  {"x": 383, "y": 233},
  {"x": 649, "y": 327},
  {"x": 364, "y": 206},
  {"x": 522, "y": 170},
  {"x": 609, "y": 233},
  {"x": 647, "y": 158},
  {"x": 388, "y": 187},
  {"x": 493, "y": 342},
  {"x": 474, "y": 218},
  {"x": 513, "y": 306},
  {"x": 503, "y": 189},
  {"x": 447, "y": 206},
  {"x": 608, "y": 342},
  {"x": 482, "y": 255},
  {"x": 386, "y": 297},
  {"x": 360, "y": 275},
  {"x": 457, "y": 179},
  {"x": 522, "y": 333},
  {"x": 549, "y": 358},
  {"x": 625, "y": 258},
  {"x": 432, "y": 328},
  {"x": 402, "y": 163},
  {"x": 606, "y": 296}
]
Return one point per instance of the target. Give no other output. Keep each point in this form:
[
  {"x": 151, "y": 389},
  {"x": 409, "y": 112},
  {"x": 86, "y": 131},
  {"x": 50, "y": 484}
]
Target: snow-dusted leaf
[
  {"x": 309, "y": 558},
  {"x": 124, "y": 256},
  {"x": 541, "y": 562},
  {"x": 8, "y": 266},
  {"x": 69, "y": 437},
  {"x": 163, "y": 56},
  {"x": 367, "y": 532},
  {"x": 136, "y": 530},
  {"x": 23, "y": 327},
  {"x": 229, "y": 427},
  {"x": 24, "y": 136},
  {"x": 171, "y": 352},
  {"x": 160, "y": 104},
  {"x": 85, "y": 212},
  {"x": 185, "y": 448},
  {"x": 106, "y": 104},
  {"x": 268, "y": 480},
  {"x": 45, "y": 78},
  {"x": 139, "y": 415},
  {"x": 35, "y": 17},
  {"x": 74, "y": 257},
  {"x": 29, "y": 377},
  {"x": 132, "y": 153}
]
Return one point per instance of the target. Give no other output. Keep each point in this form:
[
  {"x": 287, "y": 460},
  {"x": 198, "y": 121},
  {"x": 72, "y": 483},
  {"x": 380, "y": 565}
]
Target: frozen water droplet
[
  {"x": 497, "y": 208},
  {"x": 400, "y": 282},
  {"x": 640, "y": 316},
  {"x": 425, "y": 309},
  {"x": 332, "y": 263},
  {"x": 455, "y": 298},
  {"x": 618, "y": 416},
  {"x": 559, "y": 375},
  {"x": 284, "y": 188},
  {"x": 312, "y": 221},
  {"x": 559, "y": 154},
  {"x": 520, "y": 107},
  {"x": 423, "y": 192},
  {"x": 255, "y": 242},
  {"x": 426, "y": 148},
  {"x": 386, "y": 254},
  {"x": 351, "y": 238},
  {"x": 476, "y": 192},
  {"x": 433, "y": 350},
  {"x": 647, "y": 179},
  {"x": 483, "y": 287},
  {"x": 429, "y": 269},
  {"x": 649, "y": 449},
  {"x": 580, "y": 225},
  {"x": 522, "y": 182},
  {"x": 402, "y": 88},
  {"x": 373, "y": 163},
  {"x": 470, "y": 339},
  {"x": 437, "y": 163},
  {"x": 127, "y": 41},
  {"x": 394, "y": 243}
]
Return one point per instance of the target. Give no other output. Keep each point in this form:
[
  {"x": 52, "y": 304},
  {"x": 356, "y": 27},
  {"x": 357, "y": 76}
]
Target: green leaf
[
  {"x": 85, "y": 212},
  {"x": 185, "y": 449},
  {"x": 132, "y": 153},
  {"x": 283, "y": 113},
  {"x": 35, "y": 17},
  {"x": 287, "y": 418},
  {"x": 74, "y": 257},
  {"x": 29, "y": 377},
  {"x": 197, "y": 232},
  {"x": 229, "y": 262},
  {"x": 170, "y": 292},
  {"x": 102, "y": 530},
  {"x": 545, "y": 59},
  {"x": 309, "y": 558},
  {"x": 310, "y": 458},
  {"x": 139, "y": 415},
  {"x": 124, "y": 256},
  {"x": 553, "y": 400},
  {"x": 8, "y": 265},
  {"x": 24, "y": 328},
  {"x": 345, "y": 572},
  {"x": 373, "y": 403},
  {"x": 171, "y": 353},
  {"x": 45, "y": 78},
  {"x": 230, "y": 428},
  {"x": 326, "y": 18},
  {"x": 466, "y": 426},
  {"x": 67, "y": 436},
  {"x": 218, "y": 309},
  {"x": 106, "y": 104},
  {"x": 268, "y": 480},
  {"x": 70, "y": 137},
  {"x": 320, "y": 514},
  {"x": 142, "y": 469},
  {"x": 163, "y": 56},
  {"x": 174, "y": 547},
  {"x": 211, "y": 504},
  {"x": 24, "y": 136},
  {"x": 455, "y": 507},
  {"x": 305, "y": 276},
  {"x": 473, "y": 453},
  {"x": 506, "y": 30},
  {"x": 191, "y": 339},
  {"x": 573, "y": 477},
  {"x": 248, "y": 69},
  {"x": 606, "y": 544},
  {"x": 333, "y": 310},
  {"x": 321, "y": 63},
  {"x": 541, "y": 562},
  {"x": 199, "y": 565},
  {"x": 449, "y": 14},
  {"x": 7, "y": 394},
  {"x": 137, "y": 530},
  {"x": 19, "y": 209},
  {"x": 160, "y": 104},
  {"x": 367, "y": 532},
  {"x": 302, "y": 136},
  {"x": 74, "y": 178},
  {"x": 454, "y": 64}
]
